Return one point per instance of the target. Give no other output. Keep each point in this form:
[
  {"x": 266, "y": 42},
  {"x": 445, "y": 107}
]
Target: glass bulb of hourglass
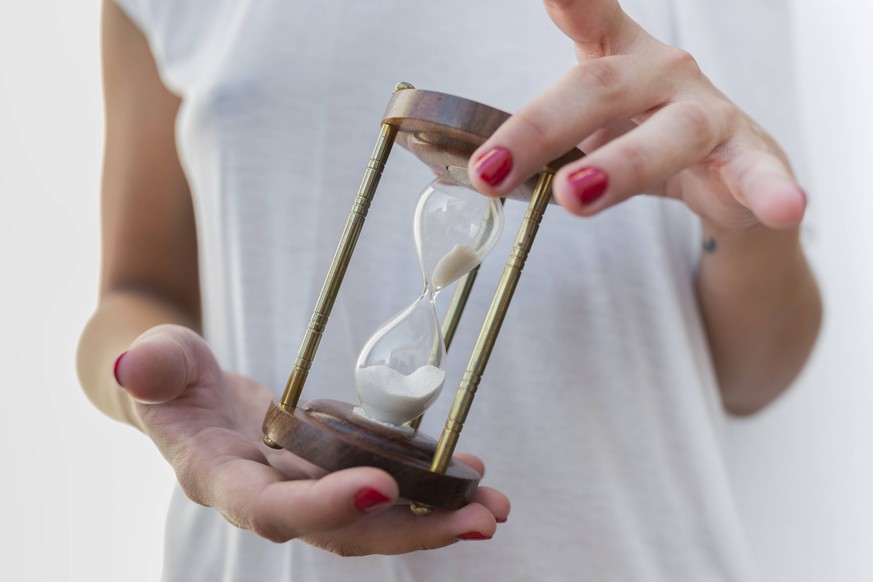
[
  {"x": 401, "y": 369},
  {"x": 455, "y": 228}
]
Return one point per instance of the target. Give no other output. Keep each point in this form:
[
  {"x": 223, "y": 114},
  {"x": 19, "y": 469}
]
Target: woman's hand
[
  {"x": 206, "y": 423},
  {"x": 650, "y": 122}
]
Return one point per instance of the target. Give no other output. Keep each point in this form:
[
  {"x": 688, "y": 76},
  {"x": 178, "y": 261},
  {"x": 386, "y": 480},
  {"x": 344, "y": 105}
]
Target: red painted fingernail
[
  {"x": 473, "y": 535},
  {"x": 369, "y": 498},
  {"x": 588, "y": 184},
  {"x": 115, "y": 368},
  {"x": 494, "y": 166}
]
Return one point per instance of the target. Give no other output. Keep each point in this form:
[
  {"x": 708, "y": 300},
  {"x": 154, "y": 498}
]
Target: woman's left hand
[{"x": 650, "y": 122}]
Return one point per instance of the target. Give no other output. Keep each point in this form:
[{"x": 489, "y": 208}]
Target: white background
[{"x": 83, "y": 498}]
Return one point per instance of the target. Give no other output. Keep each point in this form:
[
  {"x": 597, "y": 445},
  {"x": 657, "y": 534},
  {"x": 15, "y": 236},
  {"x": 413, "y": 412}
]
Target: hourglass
[{"x": 401, "y": 369}]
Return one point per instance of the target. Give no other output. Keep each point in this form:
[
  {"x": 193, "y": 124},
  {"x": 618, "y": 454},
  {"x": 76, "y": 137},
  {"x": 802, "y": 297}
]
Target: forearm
[
  {"x": 762, "y": 311},
  {"x": 120, "y": 318}
]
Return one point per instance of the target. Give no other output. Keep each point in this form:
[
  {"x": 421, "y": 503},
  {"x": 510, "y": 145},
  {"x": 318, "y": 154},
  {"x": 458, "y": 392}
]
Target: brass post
[
  {"x": 456, "y": 307},
  {"x": 341, "y": 259},
  {"x": 493, "y": 320}
]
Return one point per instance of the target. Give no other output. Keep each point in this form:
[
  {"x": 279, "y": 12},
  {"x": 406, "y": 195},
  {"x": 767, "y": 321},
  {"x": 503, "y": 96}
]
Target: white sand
[
  {"x": 390, "y": 397},
  {"x": 456, "y": 264}
]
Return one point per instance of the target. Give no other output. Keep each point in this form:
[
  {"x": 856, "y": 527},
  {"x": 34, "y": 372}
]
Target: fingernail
[
  {"x": 500, "y": 519},
  {"x": 494, "y": 166},
  {"x": 588, "y": 184},
  {"x": 473, "y": 535},
  {"x": 369, "y": 498},
  {"x": 115, "y": 367}
]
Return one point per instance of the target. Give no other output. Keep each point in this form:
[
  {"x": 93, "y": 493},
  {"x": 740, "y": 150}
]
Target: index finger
[{"x": 589, "y": 97}]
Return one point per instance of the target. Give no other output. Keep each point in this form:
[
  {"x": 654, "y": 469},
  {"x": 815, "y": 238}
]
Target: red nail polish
[
  {"x": 494, "y": 166},
  {"x": 368, "y": 498},
  {"x": 473, "y": 535},
  {"x": 588, "y": 184},
  {"x": 115, "y": 368}
]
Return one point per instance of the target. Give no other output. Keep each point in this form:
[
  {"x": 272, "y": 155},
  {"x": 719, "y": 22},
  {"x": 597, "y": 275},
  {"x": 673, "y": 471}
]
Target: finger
[
  {"x": 589, "y": 97},
  {"x": 255, "y": 497},
  {"x": 472, "y": 460},
  {"x": 163, "y": 361},
  {"x": 675, "y": 137},
  {"x": 764, "y": 184},
  {"x": 593, "y": 25},
  {"x": 398, "y": 531},
  {"x": 603, "y": 136},
  {"x": 495, "y": 502}
]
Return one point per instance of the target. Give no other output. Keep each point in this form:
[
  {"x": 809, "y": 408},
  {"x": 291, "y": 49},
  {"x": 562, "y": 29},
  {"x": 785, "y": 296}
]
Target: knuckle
[
  {"x": 540, "y": 136},
  {"x": 422, "y": 540},
  {"x": 729, "y": 115},
  {"x": 682, "y": 61},
  {"x": 343, "y": 548},
  {"x": 268, "y": 530},
  {"x": 191, "y": 480},
  {"x": 698, "y": 120},
  {"x": 601, "y": 76},
  {"x": 637, "y": 161},
  {"x": 345, "y": 551},
  {"x": 424, "y": 544}
]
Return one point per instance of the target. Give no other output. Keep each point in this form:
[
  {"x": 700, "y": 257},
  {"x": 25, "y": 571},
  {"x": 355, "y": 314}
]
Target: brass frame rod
[
  {"x": 493, "y": 320},
  {"x": 456, "y": 307},
  {"x": 341, "y": 260}
]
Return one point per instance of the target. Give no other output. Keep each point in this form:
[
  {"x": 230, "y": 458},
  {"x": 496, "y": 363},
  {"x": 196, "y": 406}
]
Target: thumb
[
  {"x": 164, "y": 361},
  {"x": 763, "y": 183}
]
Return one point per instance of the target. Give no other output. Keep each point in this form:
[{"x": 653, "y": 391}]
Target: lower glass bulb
[{"x": 400, "y": 370}]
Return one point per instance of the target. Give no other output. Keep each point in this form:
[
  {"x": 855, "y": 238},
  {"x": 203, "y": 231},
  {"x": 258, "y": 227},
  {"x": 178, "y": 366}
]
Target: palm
[{"x": 207, "y": 423}]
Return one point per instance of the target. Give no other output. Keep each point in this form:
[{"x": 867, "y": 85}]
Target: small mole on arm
[{"x": 709, "y": 245}]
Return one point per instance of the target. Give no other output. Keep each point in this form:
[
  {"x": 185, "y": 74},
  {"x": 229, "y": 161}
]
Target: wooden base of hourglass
[{"x": 329, "y": 434}]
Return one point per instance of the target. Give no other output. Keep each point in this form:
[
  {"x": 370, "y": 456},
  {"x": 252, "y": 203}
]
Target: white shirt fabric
[{"x": 598, "y": 414}]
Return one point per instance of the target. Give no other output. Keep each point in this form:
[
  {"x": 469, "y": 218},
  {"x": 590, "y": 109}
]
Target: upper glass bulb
[{"x": 455, "y": 228}]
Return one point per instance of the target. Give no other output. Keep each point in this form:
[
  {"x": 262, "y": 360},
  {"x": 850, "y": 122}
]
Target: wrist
[
  {"x": 756, "y": 243},
  {"x": 751, "y": 260}
]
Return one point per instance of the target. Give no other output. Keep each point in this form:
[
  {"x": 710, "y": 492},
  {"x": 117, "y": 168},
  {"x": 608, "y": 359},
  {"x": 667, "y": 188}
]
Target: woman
[{"x": 601, "y": 409}]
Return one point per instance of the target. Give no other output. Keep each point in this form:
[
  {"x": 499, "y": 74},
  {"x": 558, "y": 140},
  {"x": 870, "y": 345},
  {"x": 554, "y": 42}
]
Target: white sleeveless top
[{"x": 598, "y": 414}]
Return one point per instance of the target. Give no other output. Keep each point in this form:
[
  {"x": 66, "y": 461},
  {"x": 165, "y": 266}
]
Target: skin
[
  {"x": 630, "y": 95},
  {"x": 758, "y": 297}
]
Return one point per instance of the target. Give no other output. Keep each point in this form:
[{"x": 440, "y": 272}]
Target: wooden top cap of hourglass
[{"x": 444, "y": 130}]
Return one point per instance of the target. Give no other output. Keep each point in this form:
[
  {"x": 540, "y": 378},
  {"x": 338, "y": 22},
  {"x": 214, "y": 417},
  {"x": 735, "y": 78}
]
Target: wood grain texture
[
  {"x": 444, "y": 130},
  {"x": 329, "y": 434}
]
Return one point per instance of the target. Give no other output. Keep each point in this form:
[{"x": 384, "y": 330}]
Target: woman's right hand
[{"x": 206, "y": 423}]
